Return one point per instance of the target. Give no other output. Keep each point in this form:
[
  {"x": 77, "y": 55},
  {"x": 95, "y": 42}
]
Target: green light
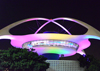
[{"x": 61, "y": 51}]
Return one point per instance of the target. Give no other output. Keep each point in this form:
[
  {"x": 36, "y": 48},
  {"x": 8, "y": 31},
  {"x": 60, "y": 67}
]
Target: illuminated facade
[
  {"x": 52, "y": 45},
  {"x": 66, "y": 44}
]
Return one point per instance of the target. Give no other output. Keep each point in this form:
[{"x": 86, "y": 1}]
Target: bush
[
  {"x": 17, "y": 59},
  {"x": 89, "y": 62}
]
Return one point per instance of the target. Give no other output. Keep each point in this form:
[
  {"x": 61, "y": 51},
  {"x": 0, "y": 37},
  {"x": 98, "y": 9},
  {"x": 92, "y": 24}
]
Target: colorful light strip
[{"x": 53, "y": 43}]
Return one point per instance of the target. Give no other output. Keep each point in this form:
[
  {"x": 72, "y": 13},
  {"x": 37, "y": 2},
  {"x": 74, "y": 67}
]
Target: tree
[
  {"x": 91, "y": 63},
  {"x": 83, "y": 61},
  {"x": 17, "y": 59}
]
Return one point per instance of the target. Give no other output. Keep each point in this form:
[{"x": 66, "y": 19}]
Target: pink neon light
[{"x": 84, "y": 44}]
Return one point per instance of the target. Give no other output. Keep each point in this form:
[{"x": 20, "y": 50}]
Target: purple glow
[{"x": 84, "y": 55}]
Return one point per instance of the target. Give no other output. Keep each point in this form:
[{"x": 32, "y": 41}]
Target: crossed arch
[
  {"x": 91, "y": 30},
  {"x": 54, "y": 23},
  {"x": 5, "y": 31}
]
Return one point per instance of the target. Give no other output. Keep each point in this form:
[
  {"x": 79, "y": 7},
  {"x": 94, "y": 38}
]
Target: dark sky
[{"x": 87, "y": 11}]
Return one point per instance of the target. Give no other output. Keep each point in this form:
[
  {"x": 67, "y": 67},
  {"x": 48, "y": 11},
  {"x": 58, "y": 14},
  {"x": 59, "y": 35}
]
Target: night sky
[{"x": 86, "y": 11}]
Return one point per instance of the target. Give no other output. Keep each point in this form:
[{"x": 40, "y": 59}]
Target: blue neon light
[
  {"x": 91, "y": 36},
  {"x": 29, "y": 45}
]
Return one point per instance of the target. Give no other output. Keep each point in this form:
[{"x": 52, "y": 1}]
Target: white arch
[
  {"x": 5, "y": 30},
  {"x": 91, "y": 30},
  {"x": 54, "y": 23}
]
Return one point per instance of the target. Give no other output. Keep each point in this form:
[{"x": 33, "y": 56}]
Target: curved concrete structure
[{"x": 81, "y": 40}]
